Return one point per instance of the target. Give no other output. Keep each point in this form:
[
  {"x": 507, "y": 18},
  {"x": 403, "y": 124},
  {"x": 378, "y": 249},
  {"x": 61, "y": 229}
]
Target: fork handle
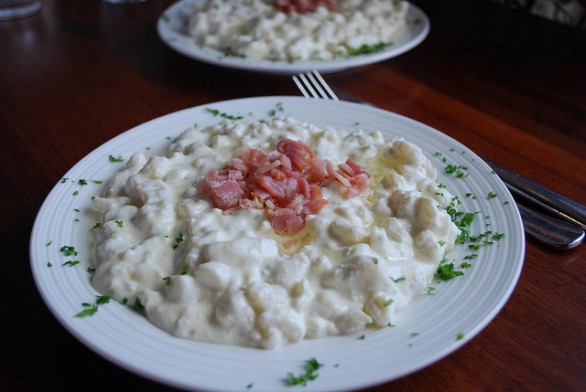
[{"x": 544, "y": 197}]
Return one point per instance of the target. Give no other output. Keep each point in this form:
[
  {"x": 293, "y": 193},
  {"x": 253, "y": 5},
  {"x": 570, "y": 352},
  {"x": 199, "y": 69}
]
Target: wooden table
[{"x": 509, "y": 85}]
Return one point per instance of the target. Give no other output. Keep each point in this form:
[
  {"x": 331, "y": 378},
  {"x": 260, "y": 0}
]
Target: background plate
[
  {"x": 425, "y": 332},
  {"x": 172, "y": 30}
]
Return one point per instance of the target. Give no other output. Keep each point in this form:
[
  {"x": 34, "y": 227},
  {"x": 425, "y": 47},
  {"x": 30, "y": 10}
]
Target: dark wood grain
[{"x": 509, "y": 85}]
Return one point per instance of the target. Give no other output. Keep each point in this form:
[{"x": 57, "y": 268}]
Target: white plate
[
  {"x": 425, "y": 332},
  {"x": 172, "y": 30}
]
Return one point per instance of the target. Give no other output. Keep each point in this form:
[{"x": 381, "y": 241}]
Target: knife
[{"x": 544, "y": 197}]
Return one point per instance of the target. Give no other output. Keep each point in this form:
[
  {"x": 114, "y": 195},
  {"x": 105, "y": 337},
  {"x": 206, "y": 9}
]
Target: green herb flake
[
  {"x": 375, "y": 260},
  {"x": 102, "y": 299},
  {"x": 465, "y": 265},
  {"x": 278, "y": 108},
  {"x": 91, "y": 270},
  {"x": 96, "y": 226},
  {"x": 82, "y": 182},
  {"x": 460, "y": 336},
  {"x": 431, "y": 290},
  {"x": 71, "y": 263},
  {"x": 98, "y": 182},
  {"x": 361, "y": 337},
  {"x": 75, "y": 193},
  {"x": 491, "y": 195},
  {"x": 64, "y": 180},
  {"x": 49, "y": 243},
  {"x": 388, "y": 302},
  {"x": 91, "y": 309},
  {"x": 88, "y": 310},
  {"x": 185, "y": 270},
  {"x": 119, "y": 223},
  {"x": 168, "y": 281},
  {"x": 68, "y": 251},
  {"x": 137, "y": 305},
  {"x": 401, "y": 279},
  {"x": 179, "y": 239},
  {"x": 368, "y": 49},
  {"x": 447, "y": 272},
  {"x": 227, "y": 116},
  {"x": 49, "y": 264},
  {"x": 498, "y": 236},
  {"x": 311, "y": 368},
  {"x": 113, "y": 159}
]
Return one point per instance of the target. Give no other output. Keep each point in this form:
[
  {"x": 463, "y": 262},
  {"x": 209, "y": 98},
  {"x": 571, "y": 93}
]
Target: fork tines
[{"x": 312, "y": 85}]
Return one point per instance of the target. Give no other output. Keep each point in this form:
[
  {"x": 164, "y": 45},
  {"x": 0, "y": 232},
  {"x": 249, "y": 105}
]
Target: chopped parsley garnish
[
  {"x": 113, "y": 159},
  {"x": 71, "y": 263},
  {"x": 464, "y": 225},
  {"x": 75, "y": 193},
  {"x": 119, "y": 223},
  {"x": 49, "y": 264},
  {"x": 90, "y": 270},
  {"x": 458, "y": 171},
  {"x": 49, "y": 243},
  {"x": 311, "y": 368},
  {"x": 137, "y": 305},
  {"x": 227, "y": 116},
  {"x": 447, "y": 272},
  {"x": 179, "y": 239},
  {"x": 88, "y": 310},
  {"x": 96, "y": 226},
  {"x": 498, "y": 236},
  {"x": 185, "y": 270},
  {"x": 465, "y": 265},
  {"x": 361, "y": 337},
  {"x": 68, "y": 251},
  {"x": 460, "y": 336},
  {"x": 491, "y": 195},
  {"x": 367, "y": 49},
  {"x": 375, "y": 260},
  {"x": 168, "y": 281},
  {"x": 82, "y": 182},
  {"x": 389, "y": 302},
  {"x": 64, "y": 180},
  {"x": 431, "y": 290},
  {"x": 91, "y": 309},
  {"x": 97, "y": 182},
  {"x": 278, "y": 108},
  {"x": 401, "y": 279}
]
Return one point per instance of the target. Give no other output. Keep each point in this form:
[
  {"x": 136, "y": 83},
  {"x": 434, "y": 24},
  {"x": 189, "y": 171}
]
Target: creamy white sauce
[
  {"x": 255, "y": 30},
  {"x": 211, "y": 276}
]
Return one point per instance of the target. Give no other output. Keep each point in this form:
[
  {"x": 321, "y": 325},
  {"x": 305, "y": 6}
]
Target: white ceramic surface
[
  {"x": 172, "y": 30},
  {"x": 433, "y": 327}
]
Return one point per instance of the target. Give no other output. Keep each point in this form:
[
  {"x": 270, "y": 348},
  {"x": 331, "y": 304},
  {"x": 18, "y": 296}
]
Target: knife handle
[{"x": 550, "y": 200}]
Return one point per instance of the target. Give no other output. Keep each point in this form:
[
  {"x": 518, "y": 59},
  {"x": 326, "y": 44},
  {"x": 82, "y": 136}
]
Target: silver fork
[
  {"x": 312, "y": 85},
  {"x": 553, "y": 232}
]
